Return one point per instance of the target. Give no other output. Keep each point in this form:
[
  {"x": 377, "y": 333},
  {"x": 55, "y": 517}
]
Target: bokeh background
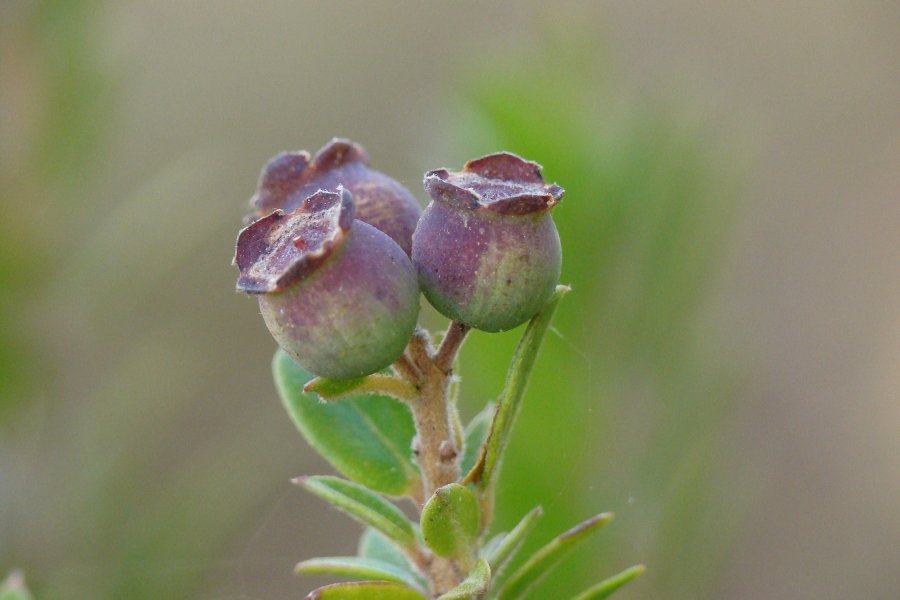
[{"x": 724, "y": 377}]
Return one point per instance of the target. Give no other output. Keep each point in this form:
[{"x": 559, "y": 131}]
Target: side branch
[
  {"x": 450, "y": 345},
  {"x": 405, "y": 368}
]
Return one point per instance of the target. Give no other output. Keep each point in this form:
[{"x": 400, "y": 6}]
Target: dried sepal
[
  {"x": 502, "y": 183},
  {"x": 281, "y": 248},
  {"x": 290, "y": 177}
]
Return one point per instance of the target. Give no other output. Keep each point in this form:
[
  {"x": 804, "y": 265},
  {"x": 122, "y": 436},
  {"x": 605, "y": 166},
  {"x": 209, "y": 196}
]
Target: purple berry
[
  {"x": 486, "y": 249},
  {"x": 337, "y": 294}
]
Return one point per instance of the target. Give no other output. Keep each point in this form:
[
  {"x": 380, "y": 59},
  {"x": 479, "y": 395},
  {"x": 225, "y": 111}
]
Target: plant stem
[
  {"x": 437, "y": 444},
  {"x": 435, "y": 447},
  {"x": 450, "y": 345},
  {"x": 405, "y": 368}
]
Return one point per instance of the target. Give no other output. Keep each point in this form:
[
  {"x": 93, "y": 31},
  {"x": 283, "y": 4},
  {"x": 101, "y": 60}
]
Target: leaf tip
[{"x": 585, "y": 526}]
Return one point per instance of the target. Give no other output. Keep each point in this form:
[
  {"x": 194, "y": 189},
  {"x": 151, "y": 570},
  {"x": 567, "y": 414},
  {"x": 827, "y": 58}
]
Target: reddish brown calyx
[
  {"x": 501, "y": 183},
  {"x": 286, "y": 175},
  {"x": 280, "y": 249}
]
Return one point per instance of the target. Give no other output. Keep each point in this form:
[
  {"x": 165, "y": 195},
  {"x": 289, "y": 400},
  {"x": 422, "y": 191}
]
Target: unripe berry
[
  {"x": 486, "y": 250},
  {"x": 337, "y": 294},
  {"x": 382, "y": 202}
]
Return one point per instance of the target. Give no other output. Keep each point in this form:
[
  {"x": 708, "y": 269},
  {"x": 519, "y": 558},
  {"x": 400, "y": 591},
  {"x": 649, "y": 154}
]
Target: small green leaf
[
  {"x": 332, "y": 387},
  {"x": 483, "y": 474},
  {"x": 365, "y": 590},
  {"x": 450, "y": 521},
  {"x": 354, "y": 567},
  {"x": 363, "y": 505},
  {"x": 13, "y": 588},
  {"x": 476, "y": 434},
  {"x": 542, "y": 561},
  {"x": 489, "y": 547},
  {"x": 605, "y": 588},
  {"x": 375, "y": 384},
  {"x": 368, "y": 439},
  {"x": 474, "y": 585},
  {"x": 373, "y": 544},
  {"x": 505, "y": 549}
]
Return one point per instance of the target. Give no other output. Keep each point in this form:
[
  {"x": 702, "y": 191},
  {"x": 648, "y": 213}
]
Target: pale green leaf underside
[
  {"x": 501, "y": 552},
  {"x": 475, "y": 436},
  {"x": 363, "y": 505},
  {"x": 489, "y": 547},
  {"x": 354, "y": 567},
  {"x": 542, "y": 561},
  {"x": 373, "y": 544},
  {"x": 365, "y": 590},
  {"x": 605, "y": 588},
  {"x": 368, "y": 438},
  {"x": 450, "y": 521},
  {"x": 475, "y": 584}
]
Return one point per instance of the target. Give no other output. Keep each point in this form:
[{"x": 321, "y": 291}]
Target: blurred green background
[{"x": 724, "y": 376}]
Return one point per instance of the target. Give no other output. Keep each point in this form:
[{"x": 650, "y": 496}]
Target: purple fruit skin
[
  {"x": 380, "y": 200},
  {"x": 354, "y": 315},
  {"x": 486, "y": 250},
  {"x": 489, "y": 271}
]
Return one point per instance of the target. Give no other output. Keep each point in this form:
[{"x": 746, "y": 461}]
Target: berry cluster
[{"x": 337, "y": 253}]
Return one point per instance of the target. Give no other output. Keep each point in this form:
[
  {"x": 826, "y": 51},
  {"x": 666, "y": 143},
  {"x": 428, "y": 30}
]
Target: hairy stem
[
  {"x": 405, "y": 368},
  {"x": 450, "y": 345},
  {"x": 435, "y": 447},
  {"x": 437, "y": 443}
]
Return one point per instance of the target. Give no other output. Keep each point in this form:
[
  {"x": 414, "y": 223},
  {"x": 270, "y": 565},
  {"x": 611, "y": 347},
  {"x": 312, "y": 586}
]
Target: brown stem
[
  {"x": 450, "y": 345},
  {"x": 405, "y": 368},
  {"x": 435, "y": 447},
  {"x": 420, "y": 351}
]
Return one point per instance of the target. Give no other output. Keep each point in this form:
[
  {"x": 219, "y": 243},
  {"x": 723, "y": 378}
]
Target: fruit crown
[
  {"x": 287, "y": 172},
  {"x": 500, "y": 183},
  {"x": 280, "y": 248}
]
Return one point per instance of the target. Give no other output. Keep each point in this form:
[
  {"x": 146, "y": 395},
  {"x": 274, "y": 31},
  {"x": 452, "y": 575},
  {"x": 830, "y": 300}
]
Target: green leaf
[
  {"x": 363, "y": 505},
  {"x": 365, "y": 590},
  {"x": 373, "y": 544},
  {"x": 375, "y": 384},
  {"x": 368, "y": 439},
  {"x": 540, "y": 564},
  {"x": 505, "y": 549},
  {"x": 475, "y": 435},
  {"x": 474, "y": 585},
  {"x": 332, "y": 387},
  {"x": 489, "y": 547},
  {"x": 605, "y": 588},
  {"x": 13, "y": 588},
  {"x": 450, "y": 521},
  {"x": 483, "y": 474},
  {"x": 354, "y": 567}
]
